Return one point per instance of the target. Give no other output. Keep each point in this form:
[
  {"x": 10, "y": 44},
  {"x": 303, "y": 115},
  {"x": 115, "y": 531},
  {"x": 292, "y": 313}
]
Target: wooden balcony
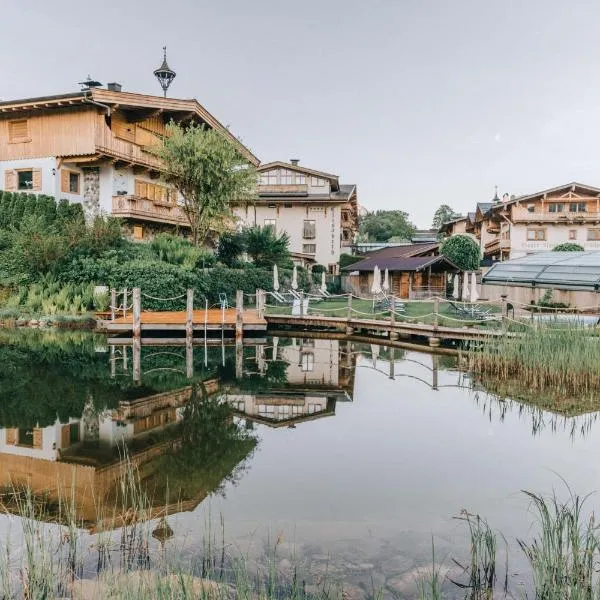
[
  {"x": 496, "y": 246},
  {"x": 524, "y": 216},
  {"x": 134, "y": 207},
  {"x": 107, "y": 143}
]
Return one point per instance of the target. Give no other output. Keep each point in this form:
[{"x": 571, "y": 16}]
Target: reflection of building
[
  {"x": 85, "y": 455},
  {"x": 316, "y": 377}
]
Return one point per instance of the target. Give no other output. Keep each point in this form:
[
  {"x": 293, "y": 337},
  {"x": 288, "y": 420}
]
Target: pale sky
[{"x": 418, "y": 102}]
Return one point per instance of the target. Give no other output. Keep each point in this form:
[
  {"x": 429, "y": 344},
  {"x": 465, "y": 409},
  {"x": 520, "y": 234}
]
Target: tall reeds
[{"x": 562, "y": 361}]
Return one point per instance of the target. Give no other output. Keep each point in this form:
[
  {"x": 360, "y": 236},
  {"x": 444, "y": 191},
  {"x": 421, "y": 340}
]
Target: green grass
[{"x": 415, "y": 312}]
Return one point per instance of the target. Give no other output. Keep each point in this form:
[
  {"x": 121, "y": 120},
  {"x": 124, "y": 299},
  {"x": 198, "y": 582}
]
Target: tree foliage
[
  {"x": 210, "y": 174},
  {"x": 231, "y": 246},
  {"x": 463, "y": 251},
  {"x": 266, "y": 248},
  {"x": 381, "y": 225},
  {"x": 442, "y": 215},
  {"x": 568, "y": 247}
]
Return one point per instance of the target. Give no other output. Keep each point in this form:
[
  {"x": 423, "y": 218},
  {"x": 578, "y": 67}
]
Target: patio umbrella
[
  {"x": 474, "y": 294},
  {"x": 275, "y": 279},
  {"x": 295, "y": 278},
  {"x": 465, "y": 288},
  {"x": 323, "y": 282},
  {"x": 376, "y": 285},
  {"x": 456, "y": 287},
  {"x": 386, "y": 282}
]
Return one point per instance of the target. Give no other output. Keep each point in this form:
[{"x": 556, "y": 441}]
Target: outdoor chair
[
  {"x": 223, "y": 300},
  {"x": 473, "y": 312},
  {"x": 385, "y": 303}
]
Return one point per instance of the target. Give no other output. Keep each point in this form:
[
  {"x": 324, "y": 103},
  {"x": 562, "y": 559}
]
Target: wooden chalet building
[
  {"x": 415, "y": 271},
  {"x": 95, "y": 147}
]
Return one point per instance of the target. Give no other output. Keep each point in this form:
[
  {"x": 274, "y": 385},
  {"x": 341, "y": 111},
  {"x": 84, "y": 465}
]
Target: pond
[{"x": 347, "y": 459}]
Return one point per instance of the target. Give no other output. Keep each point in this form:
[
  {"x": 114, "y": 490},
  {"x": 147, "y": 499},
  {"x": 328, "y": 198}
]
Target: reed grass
[{"x": 561, "y": 361}]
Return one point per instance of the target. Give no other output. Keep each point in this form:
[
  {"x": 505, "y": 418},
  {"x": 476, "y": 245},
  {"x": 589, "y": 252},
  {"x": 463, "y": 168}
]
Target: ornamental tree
[
  {"x": 442, "y": 215},
  {"x": 568, "y": 247},
  {"x": 463, "y": 251},
  {"x": 209, "y": 173}
]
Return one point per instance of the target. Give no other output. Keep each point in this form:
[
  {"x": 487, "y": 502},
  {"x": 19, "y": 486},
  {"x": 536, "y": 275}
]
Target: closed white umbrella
[
  {"x": 474, "y": 294},
  {"x": 374, "y": 354},
  {"x": 456, "y": 287},
  {"x": 465, "y": 288},
  {"x": 295, "y": 278},
  {"x": 323, "y": 282},
  {"x": 386, "y": 282},
  {"x": 376, "y": 285},
  {"x": 275, "y": 344},
  {"x": 275, "y": 279}
]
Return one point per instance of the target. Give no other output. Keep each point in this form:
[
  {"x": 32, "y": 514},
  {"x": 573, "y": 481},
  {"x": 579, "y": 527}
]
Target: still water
[{"x": 353, "y": 458}]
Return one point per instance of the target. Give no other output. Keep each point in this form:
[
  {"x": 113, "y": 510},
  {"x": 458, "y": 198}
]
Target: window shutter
[
  {"x": 37, "y": 438},
  {"x": 10, "y": 181},
  {"x": 37, "y": 180},
  {"x": 64, "y": 181},
  {"x": 11, "y": 436}
]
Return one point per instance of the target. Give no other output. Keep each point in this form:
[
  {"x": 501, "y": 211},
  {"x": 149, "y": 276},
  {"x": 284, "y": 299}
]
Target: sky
[{"x": 417, "y": 102}]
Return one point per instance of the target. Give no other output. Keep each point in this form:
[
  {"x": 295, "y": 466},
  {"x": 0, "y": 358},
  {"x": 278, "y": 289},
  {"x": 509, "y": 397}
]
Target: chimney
[
  {"x": 114, "y": 87},
  {"x": 295, "y": 161}
]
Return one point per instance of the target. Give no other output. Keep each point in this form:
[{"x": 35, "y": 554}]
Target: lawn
[{"x": 415, "y": 311}]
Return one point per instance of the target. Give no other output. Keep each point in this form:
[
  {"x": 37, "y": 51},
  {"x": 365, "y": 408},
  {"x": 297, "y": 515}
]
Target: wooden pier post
[
  {"x": 124, "y": 302},
  {"x": 392, "y": 311},
  {"x": 189, "y": 315},
  {"x": 189, "y": 357},
  {"x": 239, "y": 314},
  {"x": 436, "y": 313},
  {"x": 137, "y": 335},
  {"x": 349, "y": 314},
  {"x": 113, "y": 362},
  {"x": 392, "y": 363},
  {"x": 124, "y": 354},
  {"x": 504, "y": 313},
  {"x": 113, "y": 304},
  {"x": 301, "y": 304},
  {"x": 435, "y": 363}
]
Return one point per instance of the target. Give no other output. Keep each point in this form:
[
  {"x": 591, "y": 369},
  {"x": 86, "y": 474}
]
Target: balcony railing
[
  {"x": 147, "y": 210},
  {"x": 107, "y": 143},
  {"x": 498, "y": 244},
  {"x": 299, "y": 188},
  {"x": 524, "y": 216}
]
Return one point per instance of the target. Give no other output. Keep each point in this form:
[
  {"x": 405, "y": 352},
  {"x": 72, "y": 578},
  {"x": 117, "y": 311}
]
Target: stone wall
[{"x": 91, "y": 191}]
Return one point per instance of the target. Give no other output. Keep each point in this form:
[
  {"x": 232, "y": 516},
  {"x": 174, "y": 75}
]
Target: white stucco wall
[
  {"x": 49, "y": 180},
  {"x": 106, "y": 188},
  {"x": 291, "y": 220},
  {"x": 555, "y": 234}
]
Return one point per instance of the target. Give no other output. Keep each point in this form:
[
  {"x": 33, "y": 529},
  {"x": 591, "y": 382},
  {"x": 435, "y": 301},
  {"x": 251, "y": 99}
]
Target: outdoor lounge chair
[
  {"x": 385, "y": 303},
  {"x": 471, "y": 311},
  {"x": 223, "y": 300}
]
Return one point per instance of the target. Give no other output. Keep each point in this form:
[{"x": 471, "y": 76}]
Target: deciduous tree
[
  {"x": 209, "y": 173},
  {"x": 381, "y": 225},
  {"x": 463, "y": 251},
  {"x": 442, "y": 215}
]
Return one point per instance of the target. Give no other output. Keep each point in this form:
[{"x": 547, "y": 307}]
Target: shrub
[
  {"x": 177, "y": 251},
  {"x": 230, "y": 248},
  {"x": 349, "y": 259},
  {"x": 568, "y": 247},
  {"x": 463, "y": 251}
]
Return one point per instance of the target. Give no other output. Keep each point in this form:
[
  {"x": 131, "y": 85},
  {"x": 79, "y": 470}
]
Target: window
[
  {"x": 307, "y": 362},
  {"x": 138, "y": 232},
  {"x": 309, "y": 231},
  {"x": 577, "y": 207},
  {"x": 300, "y": 179},
  {"x": 332, "y": 268},
  {"x": 572, "y": 234},
  {"x": 593, "y": 235},
  {"x": 272, "y": 223},
  {"x": 25, "y": 180},
  {"x": 286, "y": 177},
  {"x": 531, "y": 208},
  {"x": 287, "y": 205},
  {"x": 74, "y": 182},
  {"x": 536, "y": 235},
  {"x": 317, "y": 182},
  {"x": 309, "y": 248},
  {"x": 69, "y": 181},
  {"x": 556, "y": 207},
  {"x": 18, "y": 131},
  {"x": 269, "y": 178}
]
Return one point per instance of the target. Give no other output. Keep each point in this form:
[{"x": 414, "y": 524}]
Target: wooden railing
[
  {"x": 147, "y": 210},
  {"x": 283, "y": 188},
  {"x": 107, "y": 143},
  {"x": 524, "y": 216}
]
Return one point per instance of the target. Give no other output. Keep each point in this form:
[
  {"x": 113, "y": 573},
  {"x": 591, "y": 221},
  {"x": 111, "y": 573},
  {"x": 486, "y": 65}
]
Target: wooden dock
[{"x": 213, "y": 319}]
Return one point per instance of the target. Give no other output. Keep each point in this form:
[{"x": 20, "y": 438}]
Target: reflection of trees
[{"x": 214, "y": 448}]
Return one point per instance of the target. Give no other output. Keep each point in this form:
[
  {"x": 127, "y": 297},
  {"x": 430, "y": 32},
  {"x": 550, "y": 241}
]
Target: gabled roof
[
  {"x": 127, "y": 101},
  {"x": 409, "y": 263},
  {"x": 279, "y": 164},
  {"x": 405, "y": 250},
  {"x": 572, "y": 186}
]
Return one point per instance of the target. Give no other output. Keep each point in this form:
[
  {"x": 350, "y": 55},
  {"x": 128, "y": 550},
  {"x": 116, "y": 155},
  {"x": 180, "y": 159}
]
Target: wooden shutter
[
  {"x": 64, "y": 181},
  {"x": 138, "y": 232},
  {"x": 65, "y": 436},
  {"x": 18, "y": 131},
  {"x": 11, "y": 436},
  {"x": 10, "y": 180},
  {"x": 37, "y": 437},
  {"x": 37, "y": 180}
]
